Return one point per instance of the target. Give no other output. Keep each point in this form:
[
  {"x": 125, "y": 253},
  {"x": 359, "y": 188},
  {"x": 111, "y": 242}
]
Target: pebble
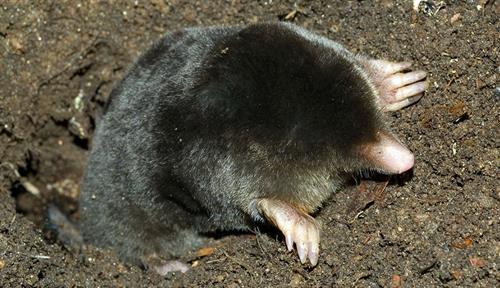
[
  {"x": 16, "y": 45},
  {"x": 296, "y": 280},
  {"x": 497, "y": 93},
  {"x": 455, "y": 18},
  {"x": 31, "y": 188}
]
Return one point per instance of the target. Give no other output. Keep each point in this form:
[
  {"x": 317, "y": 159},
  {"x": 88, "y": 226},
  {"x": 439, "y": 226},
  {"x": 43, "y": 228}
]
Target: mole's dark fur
[{"x": 211, "y": 119}]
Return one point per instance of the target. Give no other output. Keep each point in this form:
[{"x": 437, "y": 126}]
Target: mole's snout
[{"x": 389, "y": 154}]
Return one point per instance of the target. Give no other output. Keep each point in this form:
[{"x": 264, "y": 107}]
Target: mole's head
[{"x": 298, "y": 99}]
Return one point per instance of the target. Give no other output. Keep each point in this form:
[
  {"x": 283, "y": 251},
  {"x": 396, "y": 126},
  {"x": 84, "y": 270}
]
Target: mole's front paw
[
  {"x": 298, "y": 228},
  {"x": 397, "y": 89},
  {"x": 304, "y": 232}
]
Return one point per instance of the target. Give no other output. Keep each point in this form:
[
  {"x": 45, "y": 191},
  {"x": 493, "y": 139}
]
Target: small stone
[
  {"x": 65, "y": 187},
  {"x": 31, "y": 280},
  {"x": 456, "y": 274},
  {"x": 31, "y": 188},
  {"x": 296, "y": 280},
  {"x": 480, "y": 84},
  {"x": 2, "y": 264},
  {"x": 477, "y": 262},
  {"x": 496, "y": 93},
  {"x": 330, "y": 260},
  {"x": 16, "y": 45},
  {"x": 121, "y": 268},
  {"x": 455, "y": 18},
  {"x": 79, "y": 127},
  {"x": 219, "y": 279},
  {"x": 396, "y": 281}
]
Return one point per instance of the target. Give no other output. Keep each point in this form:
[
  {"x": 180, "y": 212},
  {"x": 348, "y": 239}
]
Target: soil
[{"x": 438, "y": 228}]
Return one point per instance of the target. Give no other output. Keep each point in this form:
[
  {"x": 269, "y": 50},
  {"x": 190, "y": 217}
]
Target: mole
[{"x": 228, "y": 128}]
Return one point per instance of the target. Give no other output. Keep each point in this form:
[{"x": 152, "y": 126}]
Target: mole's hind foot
[
  {"x": 171, "y": 266},
  {"x": 163, "y": 267},
  {"x": 297, "y": 226}
]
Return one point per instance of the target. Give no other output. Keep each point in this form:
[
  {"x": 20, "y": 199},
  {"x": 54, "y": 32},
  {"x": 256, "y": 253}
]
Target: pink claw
[
  {"x": 396, "y": 89},
  {"x": 298, "y": 228}
]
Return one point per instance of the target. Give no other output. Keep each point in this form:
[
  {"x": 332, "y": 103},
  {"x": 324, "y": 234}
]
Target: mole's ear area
[{"x": 388, "y": 154}]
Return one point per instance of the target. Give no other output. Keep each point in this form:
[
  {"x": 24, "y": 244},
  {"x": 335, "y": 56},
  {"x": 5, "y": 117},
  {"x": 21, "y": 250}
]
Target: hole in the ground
[
  {"x": 26, "y": 195},
  {"x": 27, "y": 203},
  {"x": 82, "y": 143}
]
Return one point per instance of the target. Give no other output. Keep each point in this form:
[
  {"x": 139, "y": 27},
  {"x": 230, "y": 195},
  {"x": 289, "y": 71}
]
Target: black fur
[{"x": 211, "y": 119}]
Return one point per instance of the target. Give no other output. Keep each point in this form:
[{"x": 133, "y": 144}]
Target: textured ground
[{"x": 59, "y": 60}]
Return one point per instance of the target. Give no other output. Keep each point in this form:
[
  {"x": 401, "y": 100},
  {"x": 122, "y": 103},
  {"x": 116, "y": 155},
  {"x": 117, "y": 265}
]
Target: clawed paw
[
  {"x": 304, "y": 232},
  {"x": 397, "y": 89},
  {"x": 298, "y": 227}
]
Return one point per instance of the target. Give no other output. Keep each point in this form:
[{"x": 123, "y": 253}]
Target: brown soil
[{"x": 59, "y": 61}]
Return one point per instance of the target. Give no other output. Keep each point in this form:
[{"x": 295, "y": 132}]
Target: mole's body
[{"x": 224, "y": 128}]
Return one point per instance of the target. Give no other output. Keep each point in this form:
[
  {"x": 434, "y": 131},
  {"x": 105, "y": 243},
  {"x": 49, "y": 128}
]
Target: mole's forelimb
[
  {"x": 297, "y": 226},
  {"x": 396, "y": 89}
]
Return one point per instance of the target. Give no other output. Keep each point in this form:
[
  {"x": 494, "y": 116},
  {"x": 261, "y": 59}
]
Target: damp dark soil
[{"x": 60, "y": 59}]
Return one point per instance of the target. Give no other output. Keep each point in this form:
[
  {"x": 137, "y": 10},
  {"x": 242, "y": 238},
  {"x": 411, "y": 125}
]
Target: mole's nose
[
  {"x": 396, "y": 158},
  {"x": 389, "y": 154}
]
